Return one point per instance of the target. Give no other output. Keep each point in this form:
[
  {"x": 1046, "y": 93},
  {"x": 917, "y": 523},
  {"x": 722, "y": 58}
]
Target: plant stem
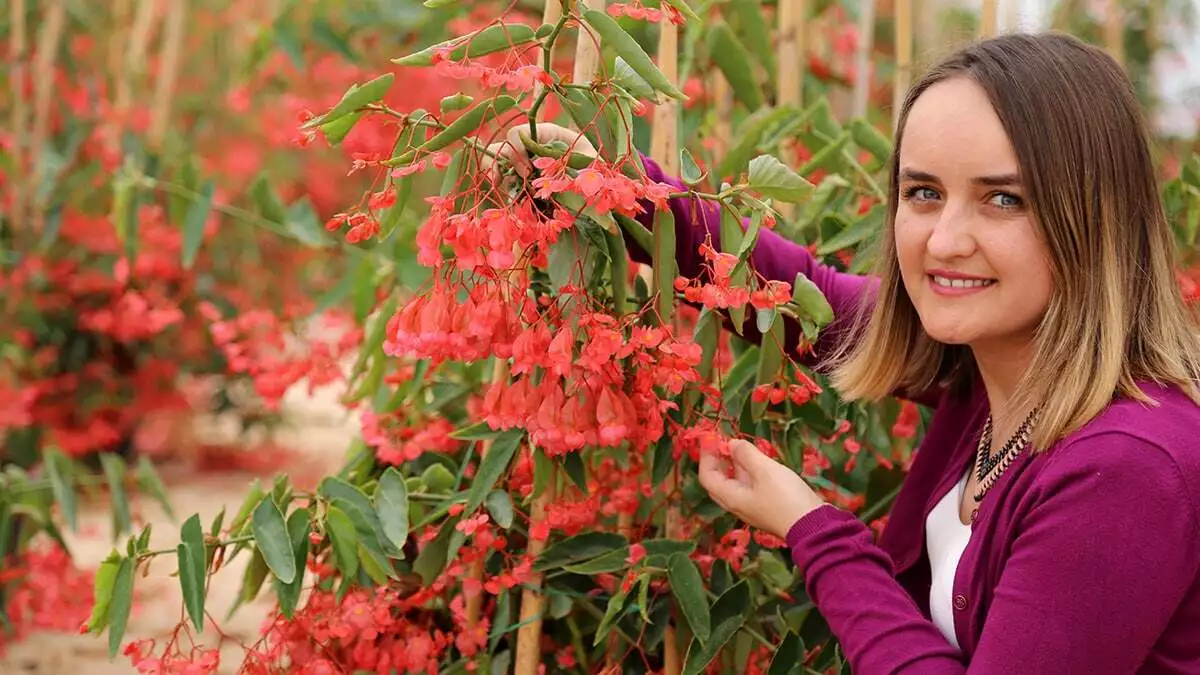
[
  {"x": 217, "y": 544},
  {"x": 547, "y": 56}
]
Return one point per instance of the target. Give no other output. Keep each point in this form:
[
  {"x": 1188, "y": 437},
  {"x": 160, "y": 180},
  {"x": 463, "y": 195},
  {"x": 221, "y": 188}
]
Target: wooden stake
[
  {"x": 533, "y": 601},
  {"x": 722, "y": 95},
  {"x": 904, "y": 49},
  {"x": 501, "y": 370},
  {"x": 664, "y": 143},
  {"x": 790, "y": 83},
  {"x": 168, "y": 73},
  {"x": 16, "y": 57},
  {"x": 989, "y": 18},
  {"x": 1114, "y": 31},
  {"x": 862, "y": 58},
  {"x": 49, "y": 38}
]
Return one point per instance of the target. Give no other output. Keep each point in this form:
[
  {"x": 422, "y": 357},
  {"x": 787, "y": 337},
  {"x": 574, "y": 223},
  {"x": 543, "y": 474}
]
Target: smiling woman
[{"x": 1025, "y": 291}]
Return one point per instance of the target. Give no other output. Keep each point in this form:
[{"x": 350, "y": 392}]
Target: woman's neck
[{"x": 1001, "y": 367}]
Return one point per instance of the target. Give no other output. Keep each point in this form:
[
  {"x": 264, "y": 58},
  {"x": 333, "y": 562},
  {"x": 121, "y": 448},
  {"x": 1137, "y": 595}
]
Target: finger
[
  {"x": 747, "y": 457},
  {"x": 518, "y": 154},
  {"x": 490, "y": 165},
  {"x": 713, "y": 477}
]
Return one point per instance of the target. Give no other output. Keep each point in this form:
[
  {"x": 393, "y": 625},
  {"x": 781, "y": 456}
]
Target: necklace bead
[{"x": 986, "y": 463}]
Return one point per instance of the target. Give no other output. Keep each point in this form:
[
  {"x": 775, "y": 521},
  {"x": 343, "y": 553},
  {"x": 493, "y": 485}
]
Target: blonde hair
[{"x": 1116, "y": 314}]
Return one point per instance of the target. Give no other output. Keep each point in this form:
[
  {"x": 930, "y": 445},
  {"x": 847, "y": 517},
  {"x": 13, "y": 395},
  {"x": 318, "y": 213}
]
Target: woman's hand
[
  {"x": 514, "y": 150},
  {"x": 762, "y": 492}
]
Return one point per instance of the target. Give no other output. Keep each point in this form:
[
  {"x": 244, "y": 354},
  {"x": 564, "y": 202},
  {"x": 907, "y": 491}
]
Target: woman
[{"x": 1050, "y": 520}]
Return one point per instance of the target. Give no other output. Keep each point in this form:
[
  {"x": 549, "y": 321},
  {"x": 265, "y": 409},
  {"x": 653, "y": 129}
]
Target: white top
[{"x": 946, "y": 537}]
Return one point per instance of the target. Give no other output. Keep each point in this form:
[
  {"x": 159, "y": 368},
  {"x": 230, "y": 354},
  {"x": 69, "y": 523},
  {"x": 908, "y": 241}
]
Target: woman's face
[{"x": 970, "y": 255}]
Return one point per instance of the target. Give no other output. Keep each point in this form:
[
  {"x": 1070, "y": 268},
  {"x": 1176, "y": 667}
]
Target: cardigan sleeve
[
  {"x": 1105, "y": 552},
  {"x": 775, "y": 258}
]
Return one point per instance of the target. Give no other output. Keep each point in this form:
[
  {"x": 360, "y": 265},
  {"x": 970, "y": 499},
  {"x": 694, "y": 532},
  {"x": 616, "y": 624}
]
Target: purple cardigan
[{"x": 1084, "y": 559}]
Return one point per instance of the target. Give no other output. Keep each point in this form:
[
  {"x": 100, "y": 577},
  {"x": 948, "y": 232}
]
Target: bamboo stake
[
  {"x": 904, "y": 49},
  {"x": 664, "y": 148},
  {"x": 501, "y": 370},
  {"x": 988, "y": 19},
  {"x": 119, "y": 32},
  {"x": 168, "y": 73},
  {"x": 790, "y": 83},
  {"x": 135, "y": 56},
  {"x": 722, "y": 95},
  {"x": 16, "y": 57},
  {"x": 862, "y": 58},
  {"x": 49, "y": 38},
  {"x": 533, "y": 601},
  {"x": 1114, "y": 31}
]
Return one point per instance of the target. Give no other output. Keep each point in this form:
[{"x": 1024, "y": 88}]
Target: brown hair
[{"x": 1116, "y": 315}]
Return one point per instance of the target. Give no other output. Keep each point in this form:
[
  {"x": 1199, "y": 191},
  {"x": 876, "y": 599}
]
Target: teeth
[{"x": 961, "y": 283}]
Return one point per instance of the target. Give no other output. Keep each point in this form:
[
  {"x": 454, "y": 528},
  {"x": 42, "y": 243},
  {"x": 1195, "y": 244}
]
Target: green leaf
[
  {"x": 1191, "y": 172},
  {"x": 432, "y": 558},
  {"x": 469, "y": 121},
  {"x": 336, "y": 130},
  {"x": 455, "y": 102},
  {"x": 298, "y": 525},
  {"x": 271, "y": 535},
  {"x": 789, "y": 657},
  {"x": 688, "y": 589},
  {"x": 607, "y": 562},
  {"x": 193, "y": 224},
  {"x": 391, "y": 505},
  {"x": 619, "y": 257},
  {"x": 728, "y": 615},
  {"x": 818, "y": 203},
  {"x": 823, "y": 119},
  {"x": 114, "y": 472},
  {"x": 684, "y": 9},
  {"x": 692, "y": 175},
  {"x": 810, "y": 298},
  {"x": 492, "y": 466},
  {"x": 772, "y": 178},
  {"x": 628, "y": 49},
  {"x": 103, "y": 587},
  {"x": 664, "y": 460},
  {"x": 769, "y": 362},
  {"x": 543, "y": 470},
  {"x": 747, "y": 18},
  {"x": 630, "y": 81},
  {"x": 344, "y": 537},
  {"x": 860, "y": 231},
  {"x": 765, "y": 318},
  {"x": 374, "y": 564},
  {"x": 355, "y": 98},
  {"x": 149, "y": 482},
  {"x": 828, "y": 156},
  {"x": 118, "y": 610},
  {"x": 253, "y": 577},
  {"x": 750, "y": 133},
  {"x": 615, "y": 605},
  {"x": 578, "y": 548},
  {"x": 500, "y": 506},
  {"x": 750, "y": 239},
  {"x": 664, "y": 265},
  {"x": 867, "y": 137},
  {"x": 58, "y": 469},
  {"x": 193, "y": 569},
  {"x": 253, "y": 497},
  {"x": 642, "y": 237},
  {"x": 732, "y": 236},
  {"x": 494, "y": 38},
  {"x": 573, "y": 466},
  {"x": 734, "y": 61}
]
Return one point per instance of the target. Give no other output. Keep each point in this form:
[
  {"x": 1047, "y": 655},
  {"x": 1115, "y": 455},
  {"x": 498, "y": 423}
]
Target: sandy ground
[{"x": 317, "y": 432}]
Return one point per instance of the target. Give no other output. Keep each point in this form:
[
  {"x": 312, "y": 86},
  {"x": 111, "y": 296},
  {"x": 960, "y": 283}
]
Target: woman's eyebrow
[{"x": 998, "y": 180}]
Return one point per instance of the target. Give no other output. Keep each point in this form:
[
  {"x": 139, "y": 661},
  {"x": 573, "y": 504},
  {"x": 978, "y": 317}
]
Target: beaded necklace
[{"x": 986, "y": 463}]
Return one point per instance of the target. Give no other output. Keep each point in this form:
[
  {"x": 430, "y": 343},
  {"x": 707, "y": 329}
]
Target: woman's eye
[
  {"x": 921, "y": 194},
  {"x": 1006, "y": 201}
]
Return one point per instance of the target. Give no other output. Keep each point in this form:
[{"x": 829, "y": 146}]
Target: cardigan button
[{"x": 960, "y": 602}]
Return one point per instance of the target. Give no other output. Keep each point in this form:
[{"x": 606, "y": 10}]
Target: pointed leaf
[
  {"x": 867, "y": 137},
  {"x": 578, "y": 548},
  {"x": 769, "y": 362},
  {"x": 355, "y": 97},
  {"x": 271, "y": 535},
  {"x": 688, "y": 588},
  {"x": 118, "y": 610},
  {"x": 253, "y": 577},
  {"x": 298, "y": 526},
  {"x": 58, "y": 469},
  {"x": 103, "y": 587},
  {"x": 342, "y": 534},
  {"x": 500, "y": 506},
  {"x": 772, "y": 178},
  {"x": 193, "y": 569},
  {"x": 692, "y": 175},
  {"x": 391, "y": 505},
  {"x": 494, "y": 38},
  {"x": 114, "y": 472},
  {"x": 493, "y": 465},
  {"x": 149, "y": 482},
  {"x": 728, "y": 615},
  {"x": 810, "y": 298},
  {"x": 193, "y": 224},
  {"x": 734, "y": 61},
  {"x": 630, "y": 81},
  {"x": 469, "y": 121},
  {"x": 628, "y": 49},
  {"x": 664, "y": 264}
]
